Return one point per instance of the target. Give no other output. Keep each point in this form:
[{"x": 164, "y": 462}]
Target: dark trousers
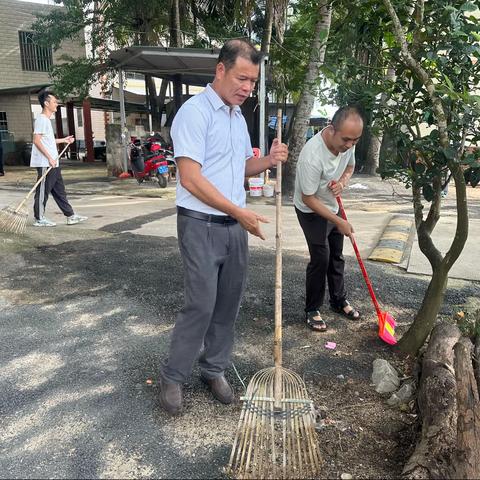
[
  {"x": 215, "y": 260},
  {"x": 325, "y": 244},
  {"x": 52, "y": 183}
]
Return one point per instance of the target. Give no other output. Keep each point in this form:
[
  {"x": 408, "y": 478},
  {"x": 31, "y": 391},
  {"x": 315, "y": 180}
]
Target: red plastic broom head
[{"x": 386, "y": 328}]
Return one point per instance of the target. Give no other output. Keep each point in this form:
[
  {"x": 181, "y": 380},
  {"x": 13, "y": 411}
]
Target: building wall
[
  {"x": 19, "y": 116},
  {"x": 14, "y": 17}
]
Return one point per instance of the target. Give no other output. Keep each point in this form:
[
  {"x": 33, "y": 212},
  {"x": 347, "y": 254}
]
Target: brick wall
[{"x": 15, "y": 16}]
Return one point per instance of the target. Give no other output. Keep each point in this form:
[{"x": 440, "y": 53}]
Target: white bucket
[
  {"x": 268, "y": 190},
  {"x": 255, "y": 186}
]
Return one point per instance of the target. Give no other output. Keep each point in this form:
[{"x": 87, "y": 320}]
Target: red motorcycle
[{"x": 150, "y": 162}]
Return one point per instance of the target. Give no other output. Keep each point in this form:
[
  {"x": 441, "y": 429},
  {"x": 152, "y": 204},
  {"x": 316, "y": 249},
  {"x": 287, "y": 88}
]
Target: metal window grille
[
  {"x": 35, "y": 57},
  {"x": 3, "y": 122}
]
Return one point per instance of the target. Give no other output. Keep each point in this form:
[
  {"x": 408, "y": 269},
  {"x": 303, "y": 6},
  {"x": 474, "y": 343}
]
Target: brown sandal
[{"x": 315, "y": 321}]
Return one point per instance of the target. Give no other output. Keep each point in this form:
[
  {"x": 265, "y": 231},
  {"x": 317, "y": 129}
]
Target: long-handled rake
[
  {"x": 14, "y": 219},
  {"x": 276, "y": 435},
  {"x": 386, "y": 323}
]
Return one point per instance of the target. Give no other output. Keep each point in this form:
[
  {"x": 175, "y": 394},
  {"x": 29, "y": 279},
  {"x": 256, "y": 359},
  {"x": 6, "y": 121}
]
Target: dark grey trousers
[{"x": 215, "y": 258}]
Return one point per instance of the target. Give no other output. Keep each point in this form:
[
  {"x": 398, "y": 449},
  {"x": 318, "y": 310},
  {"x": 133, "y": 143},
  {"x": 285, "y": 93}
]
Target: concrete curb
[{"x": 394, "y": 240}]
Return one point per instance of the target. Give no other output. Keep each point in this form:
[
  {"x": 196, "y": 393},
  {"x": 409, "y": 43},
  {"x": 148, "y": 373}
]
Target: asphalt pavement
[{"x": 87, "y": 310}]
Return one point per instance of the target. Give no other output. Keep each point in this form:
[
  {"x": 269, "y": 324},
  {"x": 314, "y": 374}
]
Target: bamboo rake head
[
  {"x": 13, "y": 220},
  {"x": 275, "y": 442}
]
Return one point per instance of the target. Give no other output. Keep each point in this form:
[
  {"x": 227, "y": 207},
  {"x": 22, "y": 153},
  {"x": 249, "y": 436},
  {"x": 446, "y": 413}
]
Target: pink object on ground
[{"x": 330, "y": 345}]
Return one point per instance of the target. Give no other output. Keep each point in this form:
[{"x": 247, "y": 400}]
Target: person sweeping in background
[
  {"x": 45, "y": 155},
  {"x": 214, "y": 155},
  {"x": 324, "y": 168}
]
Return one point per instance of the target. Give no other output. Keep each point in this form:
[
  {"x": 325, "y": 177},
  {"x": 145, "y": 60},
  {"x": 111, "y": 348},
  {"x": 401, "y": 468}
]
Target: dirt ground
[{"x": 85, "y": 328}]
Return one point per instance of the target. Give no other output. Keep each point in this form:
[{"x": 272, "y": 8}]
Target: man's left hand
[
  {"x": 69, "y": 139},
  {"x": 278, "y": 152}
]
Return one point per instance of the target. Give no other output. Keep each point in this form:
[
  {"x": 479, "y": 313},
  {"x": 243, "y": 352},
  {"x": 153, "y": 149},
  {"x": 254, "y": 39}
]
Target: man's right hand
[
  {"x": 250, "y": 221},
  {"x": 345, "y": 228},
  {"x": 52, "y": 162}
]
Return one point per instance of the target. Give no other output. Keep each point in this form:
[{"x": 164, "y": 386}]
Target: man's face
[
  {"x": 348, "y": 134},
  {"x": 235, "y": 85},
  {"x": 51, "y": 103}
]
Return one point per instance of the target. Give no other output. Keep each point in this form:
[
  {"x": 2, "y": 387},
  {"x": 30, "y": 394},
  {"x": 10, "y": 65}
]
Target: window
[
  {"x": 35, "y": 58},
  {"x": 3, "y": 122}
]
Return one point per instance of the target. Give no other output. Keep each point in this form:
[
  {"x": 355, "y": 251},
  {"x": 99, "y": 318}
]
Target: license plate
[{"x": 162, "y": 169}]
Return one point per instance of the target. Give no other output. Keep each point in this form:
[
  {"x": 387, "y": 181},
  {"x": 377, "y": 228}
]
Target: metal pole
[
  {"x": 123, "y": 120},
  {"x": 262, "y": 94}
]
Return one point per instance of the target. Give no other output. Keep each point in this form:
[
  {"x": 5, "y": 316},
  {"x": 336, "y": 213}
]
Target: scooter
[{"x": 149, "y": 163}]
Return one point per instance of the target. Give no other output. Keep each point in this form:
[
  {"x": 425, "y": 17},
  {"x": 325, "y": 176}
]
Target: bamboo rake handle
[
  {"x": 277, "y": 349},
  {"x": 29, "y": 194}
]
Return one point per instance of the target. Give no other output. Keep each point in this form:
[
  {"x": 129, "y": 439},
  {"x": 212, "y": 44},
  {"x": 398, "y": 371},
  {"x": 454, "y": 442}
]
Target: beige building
[{"x": 24, "y": 71}]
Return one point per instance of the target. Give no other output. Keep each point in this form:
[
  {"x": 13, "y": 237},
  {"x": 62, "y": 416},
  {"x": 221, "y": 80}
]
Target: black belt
[{"x": 206, "y": 217}]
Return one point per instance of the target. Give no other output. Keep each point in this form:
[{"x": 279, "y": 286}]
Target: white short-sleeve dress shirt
[{"x": 216, "y": 136}]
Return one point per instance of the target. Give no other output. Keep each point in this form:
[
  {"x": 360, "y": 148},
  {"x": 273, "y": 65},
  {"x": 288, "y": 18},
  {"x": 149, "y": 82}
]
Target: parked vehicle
[
  {"x": 99, "y": 150},
  {"x": 149, "y": 163}
]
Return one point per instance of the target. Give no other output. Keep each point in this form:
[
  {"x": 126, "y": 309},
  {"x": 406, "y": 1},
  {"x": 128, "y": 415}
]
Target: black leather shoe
[
  {"x": 220, "y": 389},
  {"x": 171, "y": 397}
]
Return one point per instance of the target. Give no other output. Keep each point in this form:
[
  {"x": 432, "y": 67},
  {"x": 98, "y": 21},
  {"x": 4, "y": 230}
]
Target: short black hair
[
  {"x": 238, "y": 47},
  {"x": 343, "y": 113},
  {"x": 43, "y": 96}
]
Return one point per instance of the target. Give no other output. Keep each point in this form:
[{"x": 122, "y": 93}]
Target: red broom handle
[{"x": 360, "y": 261}]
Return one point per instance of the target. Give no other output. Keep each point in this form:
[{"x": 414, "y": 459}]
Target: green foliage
[
  {"x": 66, "y": 77},
  {"x": 107, "y": 26},
  {"x": 290, "y": 60},
  {"x": 446, "y": 46}
]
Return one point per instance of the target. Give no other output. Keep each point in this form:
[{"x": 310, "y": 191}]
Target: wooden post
[
  {"x": 87, "y": 129},
  {"x": 468, "y": 417},
  {"x": 71, "y": 130},
  {"x": 58, "y": 122}
]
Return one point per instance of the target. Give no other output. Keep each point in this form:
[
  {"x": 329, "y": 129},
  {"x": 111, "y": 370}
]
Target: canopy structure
[
  {"x": 190, "y": 66},
  {"x": 196, "y": 66}
]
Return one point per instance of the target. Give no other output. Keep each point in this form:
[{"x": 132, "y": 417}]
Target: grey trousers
[{"x": 215, "y": 258}]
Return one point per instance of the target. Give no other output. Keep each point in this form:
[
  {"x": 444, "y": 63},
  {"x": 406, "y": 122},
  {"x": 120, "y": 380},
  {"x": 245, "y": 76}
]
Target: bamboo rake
[{"x": 276, "y": 435}]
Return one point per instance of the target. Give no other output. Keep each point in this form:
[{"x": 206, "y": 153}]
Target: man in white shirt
[
  {"x": 324, "y": 167},
  {"x": 45, "y": 155},
  {"x": 214, "y": 155}
]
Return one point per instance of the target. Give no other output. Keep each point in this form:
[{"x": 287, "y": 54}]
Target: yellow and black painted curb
[{"x": 394, "y": 240}]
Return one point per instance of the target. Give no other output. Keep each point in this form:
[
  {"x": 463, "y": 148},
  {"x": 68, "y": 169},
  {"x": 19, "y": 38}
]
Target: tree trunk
[
  {"x": 476, "y": 356},
  {"x": 435, "y": 450},
  {"x": 373, "y": 155},
  {"x": 425, "y": 318},
  {"x": 267, "y": 32},
  {"x": 175, "y": 28},
  {"x": 307, "y": 98},
  {"x": 176, "y": 41},
  {"x": 467, "y": 462},
  {"x": 153, "y": 102}
]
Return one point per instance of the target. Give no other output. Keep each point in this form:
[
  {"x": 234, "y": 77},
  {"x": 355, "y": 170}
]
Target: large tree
[{"x": 437, "y": 48}]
